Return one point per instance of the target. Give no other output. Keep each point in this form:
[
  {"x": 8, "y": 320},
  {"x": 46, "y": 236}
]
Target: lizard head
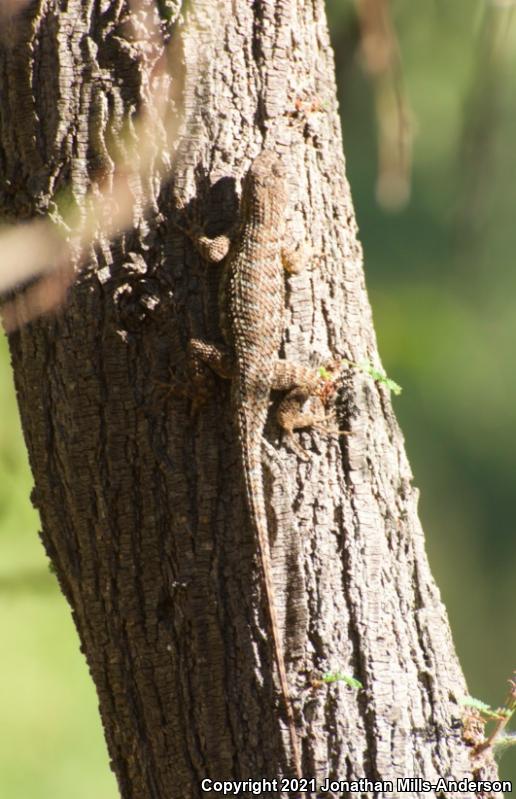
[{"x": 266, "y": 180}]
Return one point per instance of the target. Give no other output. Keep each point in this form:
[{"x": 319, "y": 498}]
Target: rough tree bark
[{"x": 140, "y": 499}]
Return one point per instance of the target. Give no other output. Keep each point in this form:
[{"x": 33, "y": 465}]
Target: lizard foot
[{"x": 197, "y": 391}]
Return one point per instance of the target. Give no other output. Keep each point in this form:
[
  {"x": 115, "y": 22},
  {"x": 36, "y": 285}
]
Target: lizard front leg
[
  {"x": 295, "y": 259},
  {"x": 213, "y": 250}
]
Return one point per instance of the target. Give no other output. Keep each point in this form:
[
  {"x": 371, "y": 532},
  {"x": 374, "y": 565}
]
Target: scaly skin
[
  {"x": 253, "y": 298},
  {"x": 251, "y": 305}
]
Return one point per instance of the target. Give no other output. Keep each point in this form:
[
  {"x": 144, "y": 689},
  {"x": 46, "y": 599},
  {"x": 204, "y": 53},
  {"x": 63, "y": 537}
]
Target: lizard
[{"x": 251, "y": 309}]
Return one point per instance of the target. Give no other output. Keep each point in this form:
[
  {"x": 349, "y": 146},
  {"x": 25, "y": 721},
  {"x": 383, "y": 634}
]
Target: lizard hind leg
[
  {"x": 300, "y": 408},
  {"x": 202, "y": 354},
  {"x": 305, "y": 403},
  {"x": 216, "y": 356}
]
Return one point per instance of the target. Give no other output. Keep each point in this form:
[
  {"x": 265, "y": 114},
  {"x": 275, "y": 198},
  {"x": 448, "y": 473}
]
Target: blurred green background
[{"x": 443, "y": 288}]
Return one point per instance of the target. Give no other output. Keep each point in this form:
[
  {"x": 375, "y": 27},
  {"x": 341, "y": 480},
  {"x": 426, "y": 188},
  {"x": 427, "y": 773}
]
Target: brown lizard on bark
[{"x": 251, "y": 307}]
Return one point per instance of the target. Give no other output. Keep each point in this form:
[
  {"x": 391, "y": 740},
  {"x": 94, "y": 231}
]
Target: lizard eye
[{"x": 278, "y": 169}]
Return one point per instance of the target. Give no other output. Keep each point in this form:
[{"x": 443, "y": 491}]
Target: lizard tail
[{"x": 253, "y": 479}]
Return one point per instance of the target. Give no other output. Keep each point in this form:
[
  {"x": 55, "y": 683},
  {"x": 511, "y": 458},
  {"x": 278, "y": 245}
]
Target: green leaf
[
  {"x": 487, "y": 710},
  {"x": 337, "y": 676},
  {"x": 324, "y": 373},
  {"x": 376, "y": 374},
  {"x": 470, "y": 701}
]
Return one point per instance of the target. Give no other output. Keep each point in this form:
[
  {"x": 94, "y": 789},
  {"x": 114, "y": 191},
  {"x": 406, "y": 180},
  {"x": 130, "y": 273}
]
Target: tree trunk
[{"x": 139, "y": 487}]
